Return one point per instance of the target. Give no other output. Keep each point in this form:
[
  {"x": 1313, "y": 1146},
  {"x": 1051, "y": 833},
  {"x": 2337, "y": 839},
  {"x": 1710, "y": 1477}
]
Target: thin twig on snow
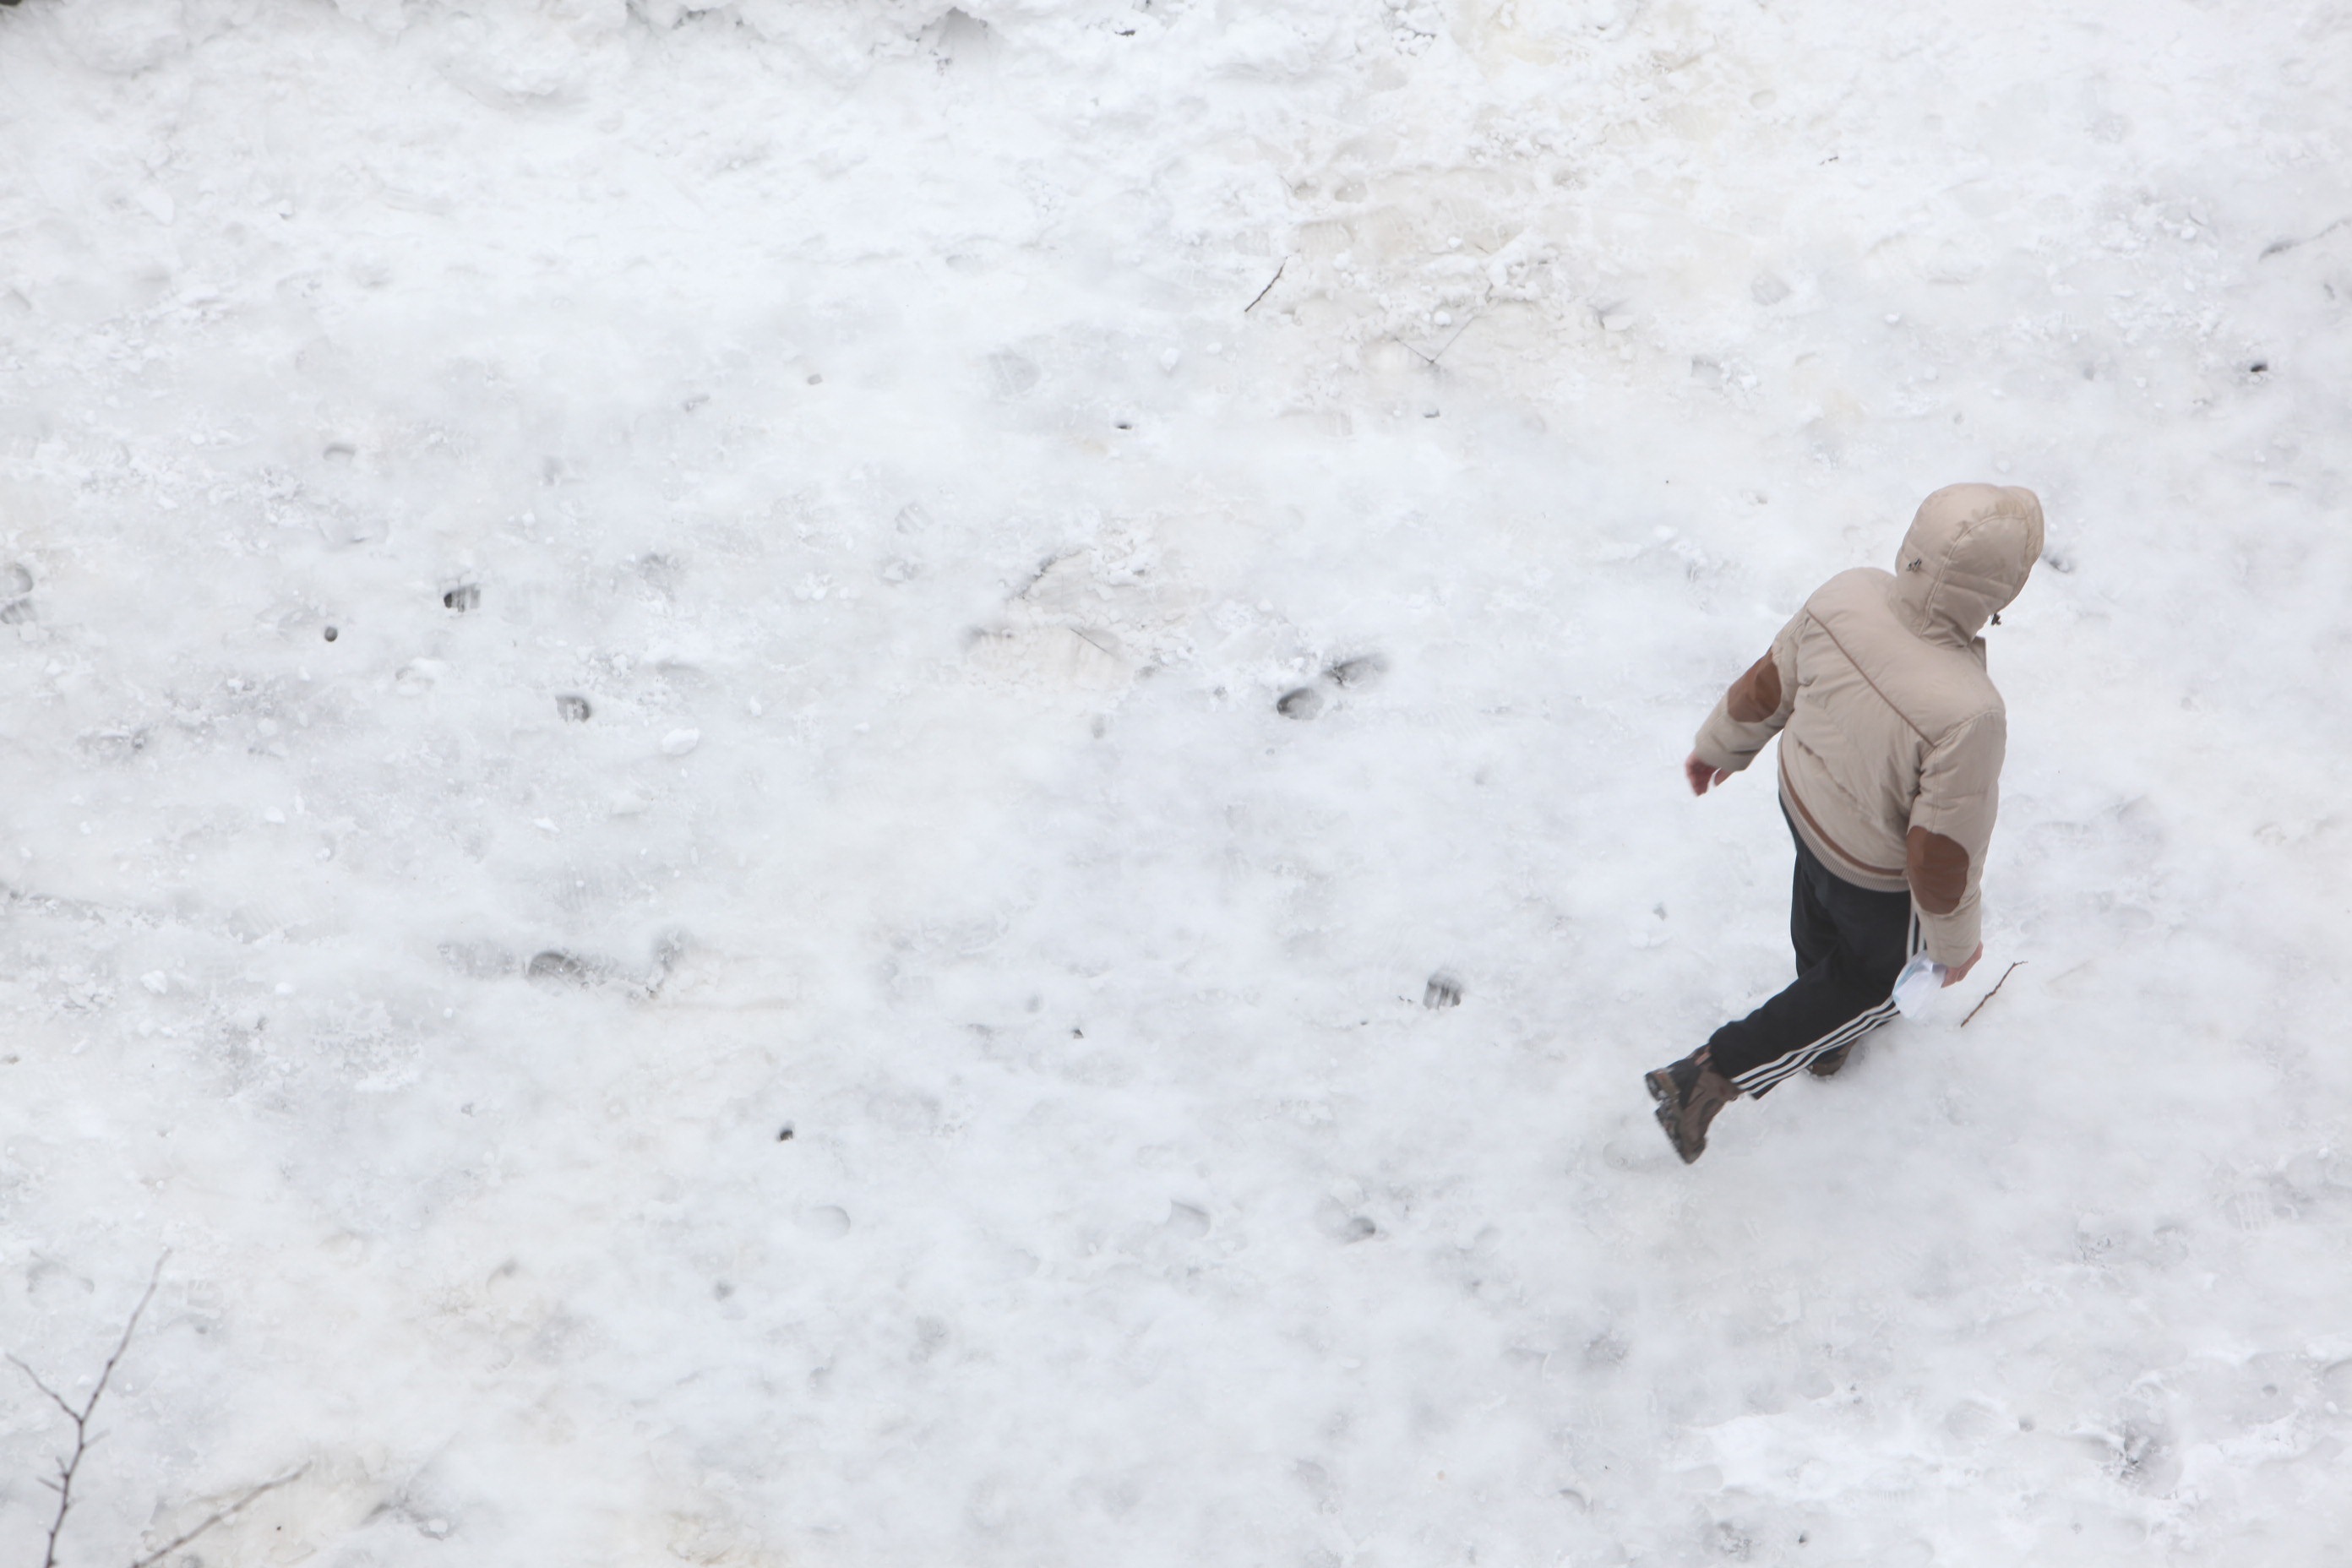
[
  {"x": 220, "y": 1516},
  {"x": 1991, "y": 994},
  {"x": 2281, "y": 247},
  {"x": 71, "y": 1466},
  {"x": 1269, "y": 286}
]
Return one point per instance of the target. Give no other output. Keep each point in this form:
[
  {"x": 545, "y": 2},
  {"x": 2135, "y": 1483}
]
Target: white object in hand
[{"x": 1920, "y": 979}]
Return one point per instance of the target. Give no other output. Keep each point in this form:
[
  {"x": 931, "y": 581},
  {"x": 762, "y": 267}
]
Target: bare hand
[
  {"x": 1702, "y": 775},
  {"x": 1954, "y": 976}
]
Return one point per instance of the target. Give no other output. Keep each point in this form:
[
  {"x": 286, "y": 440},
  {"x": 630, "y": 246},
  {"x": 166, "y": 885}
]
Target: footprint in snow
[
  {"x": 1349, "y": 674},
  {"x": 554, "y": 968},
  {"x": 17, "y": 588},
  {"x": 1443, "y": 990},
  {"x": 1341, "y": 1223}
]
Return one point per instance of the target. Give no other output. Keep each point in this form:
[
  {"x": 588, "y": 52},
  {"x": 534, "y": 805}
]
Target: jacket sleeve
[
  {"x": 1951, "y": 826},
  {"x": 1756, "y": 707}
]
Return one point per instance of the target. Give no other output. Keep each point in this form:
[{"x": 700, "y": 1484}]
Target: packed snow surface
[{"x": 830, "y": 782}]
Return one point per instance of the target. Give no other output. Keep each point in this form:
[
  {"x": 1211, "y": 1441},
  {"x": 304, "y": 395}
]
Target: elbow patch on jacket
[
  {"x": 1755, "y": 696},
  {"x": 1938, "y": 870}
]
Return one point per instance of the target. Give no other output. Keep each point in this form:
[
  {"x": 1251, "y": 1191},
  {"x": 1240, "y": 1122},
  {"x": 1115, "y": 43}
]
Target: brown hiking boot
[
  {"x": 1689, "y": 1094},
  {"x": 1827, "y": 1064}
]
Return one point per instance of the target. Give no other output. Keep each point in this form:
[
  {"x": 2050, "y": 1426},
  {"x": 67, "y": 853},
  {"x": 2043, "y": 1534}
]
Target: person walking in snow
[{"x": 1892, "y": 740}]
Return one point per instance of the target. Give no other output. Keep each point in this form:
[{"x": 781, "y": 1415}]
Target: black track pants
[{"x": 1850, "y": 944}]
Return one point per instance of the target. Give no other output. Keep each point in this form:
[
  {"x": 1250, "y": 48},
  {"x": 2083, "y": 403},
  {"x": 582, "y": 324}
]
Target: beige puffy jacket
[{"x": 1891, "y": 734}]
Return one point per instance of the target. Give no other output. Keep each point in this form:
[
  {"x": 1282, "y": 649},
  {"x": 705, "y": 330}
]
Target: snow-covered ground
[{"x": 815, "y": 533}]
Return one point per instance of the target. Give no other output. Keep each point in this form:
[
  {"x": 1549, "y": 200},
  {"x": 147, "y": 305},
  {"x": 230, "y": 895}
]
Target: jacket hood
[{"x": 1968, "y": 554}]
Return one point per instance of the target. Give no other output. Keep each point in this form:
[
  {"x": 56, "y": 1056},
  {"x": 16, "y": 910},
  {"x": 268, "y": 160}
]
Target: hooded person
[{"x": 1892, "y": 738}]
